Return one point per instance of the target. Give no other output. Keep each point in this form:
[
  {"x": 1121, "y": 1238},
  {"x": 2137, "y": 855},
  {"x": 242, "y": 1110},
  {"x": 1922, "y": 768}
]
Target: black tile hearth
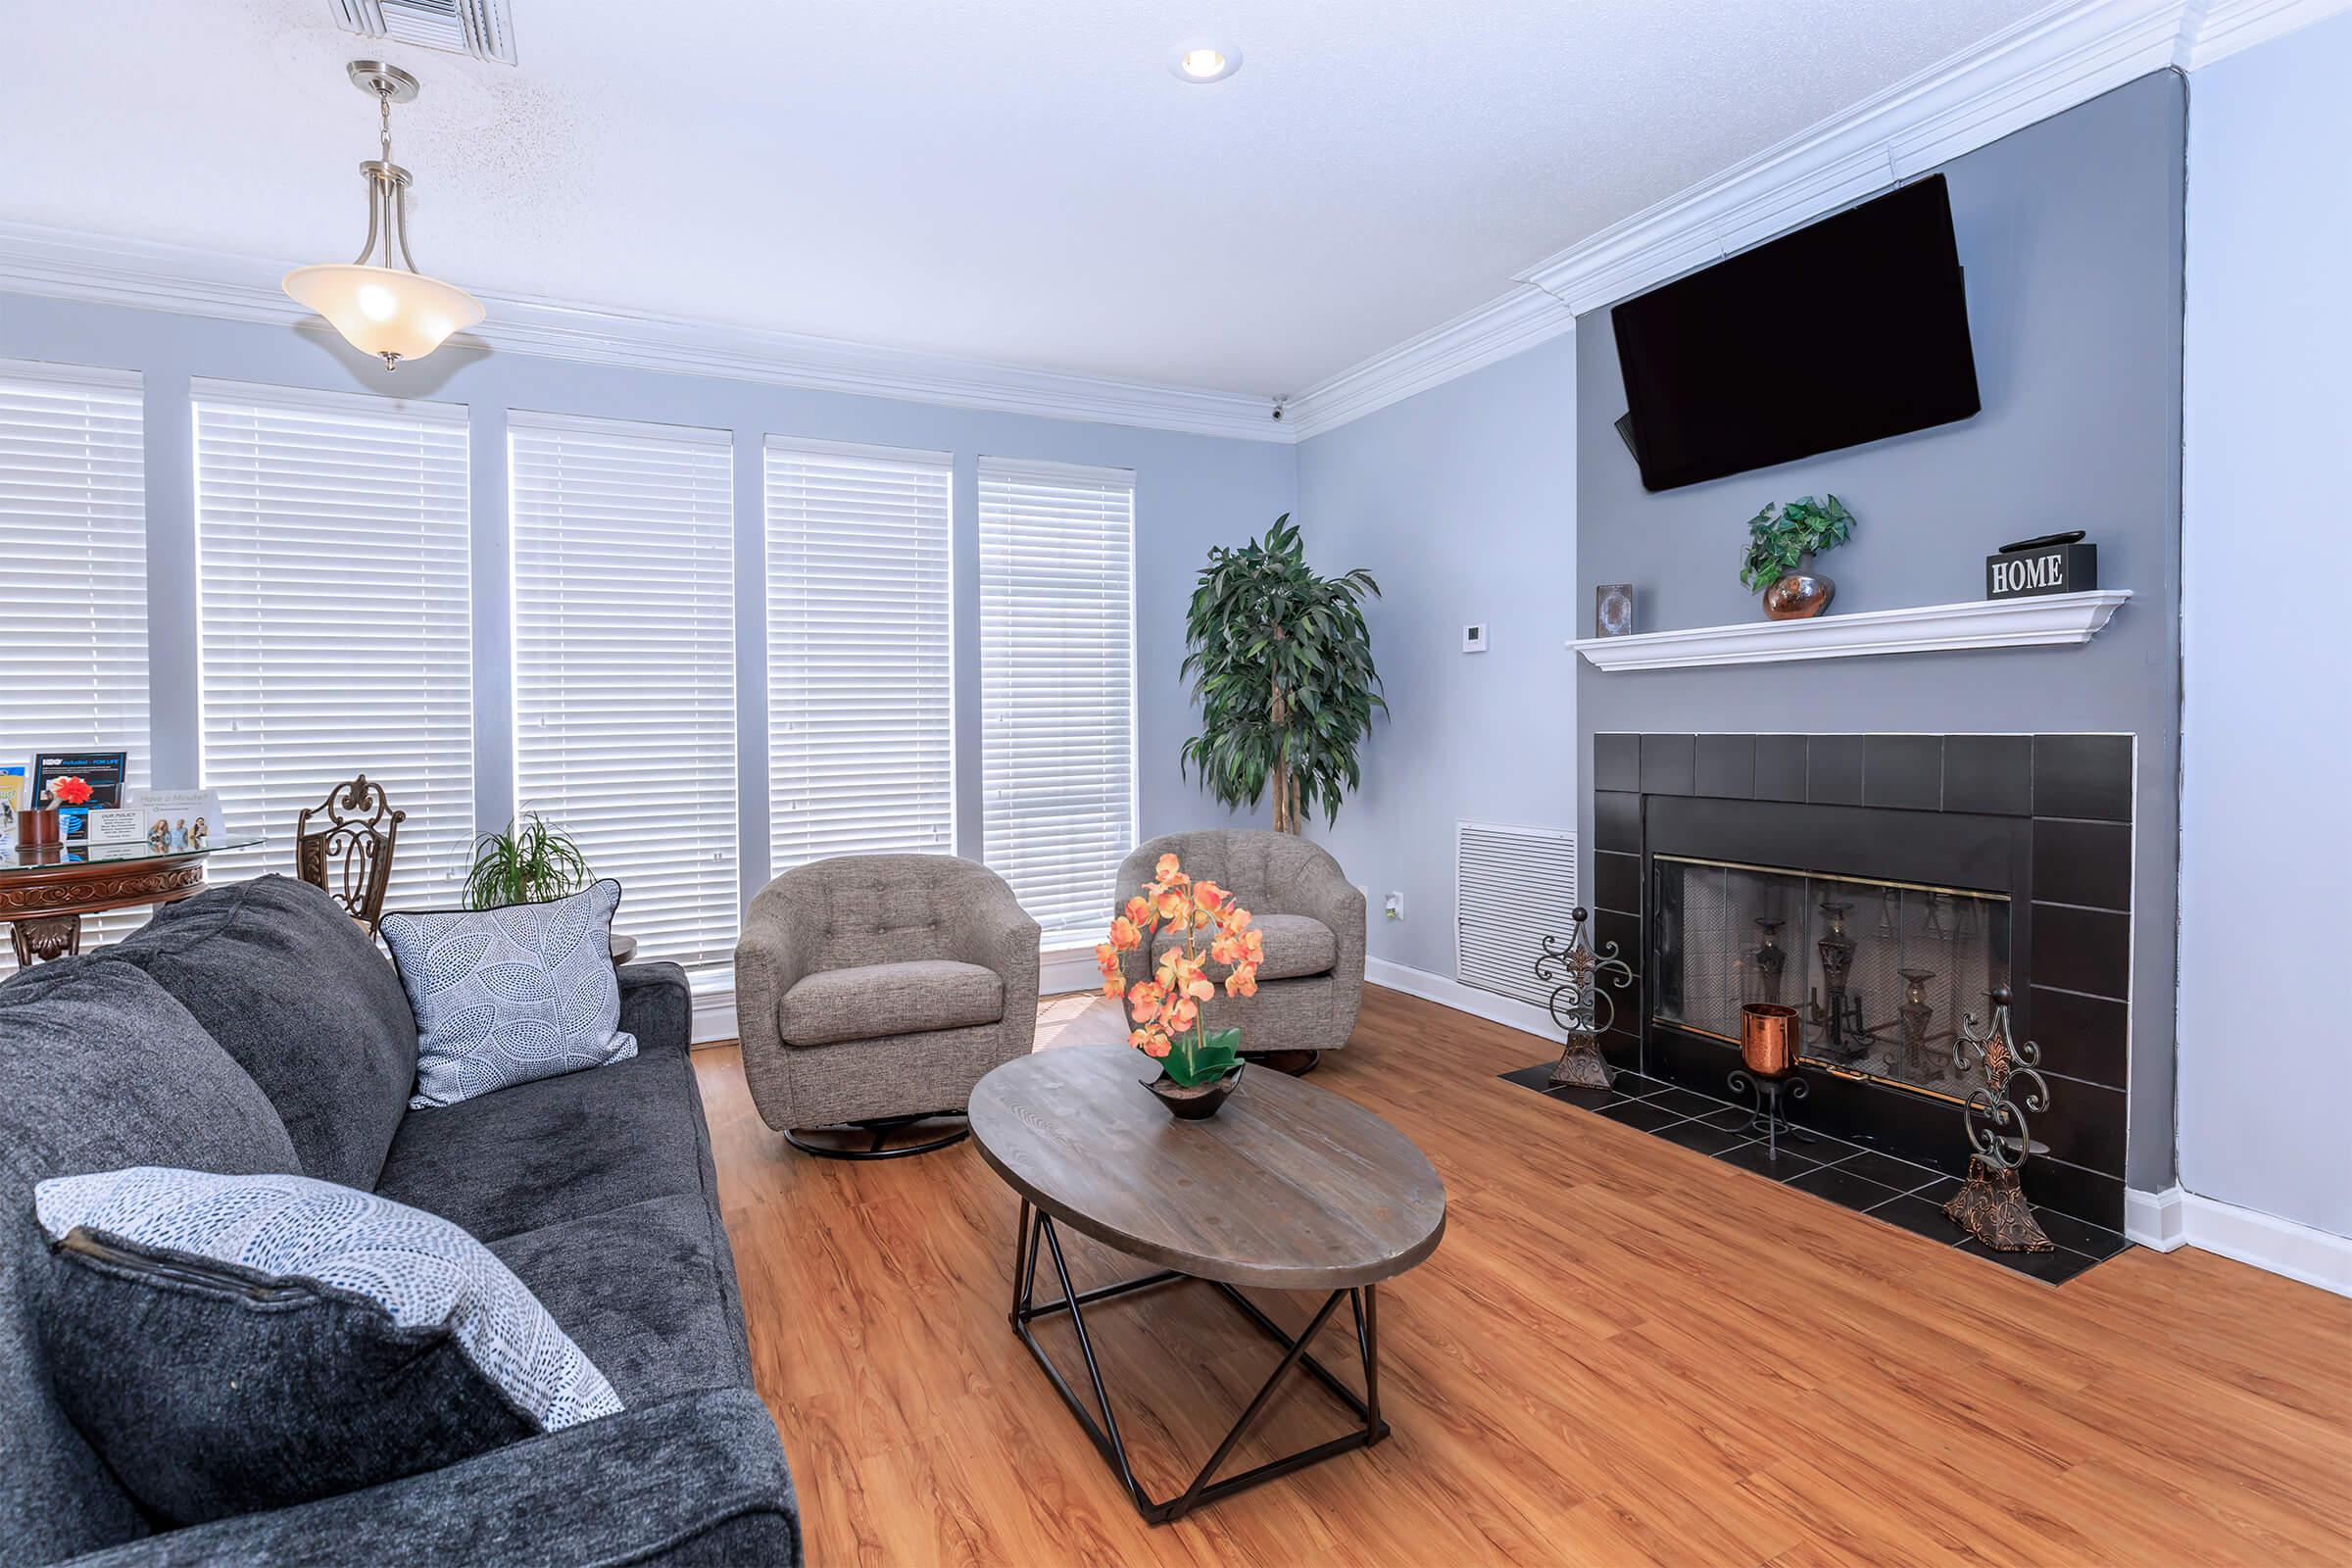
[
  {"x": 2082, "y": 862},
  {"x": 1617, "y": 882},
  {"x": 2082, "y": 775},
  {"x": 1617, "y": 762},
  {"x": 1617, "y": 821},
  {"x": 1640, "y": 1114},
  {"x": 1727, "y": 765},
  {"x": 1835, "y": 1171},
  {"x": 1842, "y": 1186},
  {"x": 1668, "y": 765},
  {"x": 2084, "y": 1124},
  {"x": 2081, "y": 950},
  {"x": 1780, "y": 768},
  {"x": 1904, "y": 772},
  {"x": 1833, "y": 769},
  {"x": 1990, "y": 774}
]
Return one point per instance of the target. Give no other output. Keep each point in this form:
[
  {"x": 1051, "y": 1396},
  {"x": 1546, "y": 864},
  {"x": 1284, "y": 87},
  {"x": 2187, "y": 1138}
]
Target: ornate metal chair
[{"x": 348, "y": 852}]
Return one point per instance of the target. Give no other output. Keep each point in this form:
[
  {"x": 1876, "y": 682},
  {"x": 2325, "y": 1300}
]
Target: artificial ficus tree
[{"x": 1281, "y": 663}]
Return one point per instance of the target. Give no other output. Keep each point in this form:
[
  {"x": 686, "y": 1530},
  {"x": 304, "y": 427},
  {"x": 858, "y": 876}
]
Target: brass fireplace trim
[
  {"x": 1834, "y": 876},
  {"x": 1813, "y": 1062}
]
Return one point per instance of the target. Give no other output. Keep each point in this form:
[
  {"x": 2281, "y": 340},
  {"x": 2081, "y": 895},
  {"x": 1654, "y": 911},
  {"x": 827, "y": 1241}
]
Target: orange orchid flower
[
  {"x": 1150, "y": 1042},
  {"x": 1169, "y": 871},
  {"x": 1125, "y": 936},
  {"x": 1139, "y": 912}
]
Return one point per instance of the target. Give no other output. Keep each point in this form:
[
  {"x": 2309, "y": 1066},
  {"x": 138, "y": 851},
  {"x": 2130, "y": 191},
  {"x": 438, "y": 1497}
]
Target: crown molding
[
  {"x": 2062, "y": 56},
  {"x": 145, "y": 274},
  {"x": 1495, "y": 330}
]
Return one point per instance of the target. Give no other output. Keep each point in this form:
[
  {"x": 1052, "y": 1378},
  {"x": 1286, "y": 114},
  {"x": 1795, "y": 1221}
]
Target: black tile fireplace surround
[{"x": 2043, "y": 819}]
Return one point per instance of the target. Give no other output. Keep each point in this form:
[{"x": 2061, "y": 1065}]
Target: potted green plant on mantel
[
  {"x": 1782, "y": 542},
  {"x": 531, "y": 862},
  {"x": 1281, "y": 663}
]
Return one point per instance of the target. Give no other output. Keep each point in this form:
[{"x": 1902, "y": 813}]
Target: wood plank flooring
[{"x": 1622, "y": 1353}]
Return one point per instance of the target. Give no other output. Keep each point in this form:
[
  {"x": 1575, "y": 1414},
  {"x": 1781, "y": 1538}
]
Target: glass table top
[{"x": 15, "y": 860}]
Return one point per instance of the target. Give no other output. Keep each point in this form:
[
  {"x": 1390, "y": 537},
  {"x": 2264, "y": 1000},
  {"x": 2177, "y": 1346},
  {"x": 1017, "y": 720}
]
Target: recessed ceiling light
[{"x": 1204, "y": 63}]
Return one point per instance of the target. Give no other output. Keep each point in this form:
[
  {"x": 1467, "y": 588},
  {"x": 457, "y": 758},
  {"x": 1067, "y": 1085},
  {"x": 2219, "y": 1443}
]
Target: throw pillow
[
  {"x": 230, "y": 1344},
  {"x": 509, "y": 995}
]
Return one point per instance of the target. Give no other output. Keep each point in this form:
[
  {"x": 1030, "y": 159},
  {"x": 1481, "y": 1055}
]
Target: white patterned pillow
[
  {"x": 509, "y": 995},
  {"x": 424, "y": 1274}
]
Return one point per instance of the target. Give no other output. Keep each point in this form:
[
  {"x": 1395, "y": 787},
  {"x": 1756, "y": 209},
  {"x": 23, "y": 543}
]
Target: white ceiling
[{"x": 1015, "y": 180}]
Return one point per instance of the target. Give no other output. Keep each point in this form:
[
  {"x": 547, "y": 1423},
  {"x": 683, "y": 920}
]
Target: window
[
  {"x": 332, "y": 560},
  {"x": 73, "y": 586},
  {"x": 624, "y": 665},
  {"x": 861, "y": 653},
  {"x": 1058, "y": 687}
]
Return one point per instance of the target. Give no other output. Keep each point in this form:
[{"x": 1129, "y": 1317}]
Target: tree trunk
[{"x": 1286, "y": 789}]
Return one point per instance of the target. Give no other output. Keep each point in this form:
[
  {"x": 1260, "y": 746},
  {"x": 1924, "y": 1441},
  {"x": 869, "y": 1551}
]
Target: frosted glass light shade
[{"x": 392, "y": 314}]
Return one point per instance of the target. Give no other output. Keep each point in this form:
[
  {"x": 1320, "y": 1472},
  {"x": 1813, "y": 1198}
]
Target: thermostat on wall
[{"x": 1474, "y": 639}]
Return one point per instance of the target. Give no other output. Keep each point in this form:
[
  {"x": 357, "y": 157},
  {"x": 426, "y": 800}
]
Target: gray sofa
[
  {"x": 1313, "y": 980},
  {"x": 253, "y": 1029},
  {"x": 874, "y": 987}
]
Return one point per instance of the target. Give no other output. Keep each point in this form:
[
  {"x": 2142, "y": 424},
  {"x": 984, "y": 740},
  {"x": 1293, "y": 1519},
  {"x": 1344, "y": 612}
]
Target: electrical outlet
[{"x": 1393, "y": 906}]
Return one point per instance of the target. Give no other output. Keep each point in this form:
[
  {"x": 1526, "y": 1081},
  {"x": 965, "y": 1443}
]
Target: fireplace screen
[{"x": 1881, "y": 973}]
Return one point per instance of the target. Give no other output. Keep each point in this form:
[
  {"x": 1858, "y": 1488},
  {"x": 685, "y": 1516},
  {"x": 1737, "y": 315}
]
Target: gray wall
[
  {"x": 1462, "y": 502},
  {"x": 1190, "y": 491},
  {"x": 2265, "y": 757},
  {"x": 2070, "y": 233}
]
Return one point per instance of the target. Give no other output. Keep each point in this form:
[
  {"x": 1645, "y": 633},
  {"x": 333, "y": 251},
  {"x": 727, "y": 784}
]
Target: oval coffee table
[{"x": 1288, "y": 1186}]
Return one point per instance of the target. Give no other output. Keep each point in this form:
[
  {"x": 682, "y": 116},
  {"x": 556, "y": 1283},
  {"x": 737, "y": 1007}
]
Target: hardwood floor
[{"x": 1622, "y": 1353}]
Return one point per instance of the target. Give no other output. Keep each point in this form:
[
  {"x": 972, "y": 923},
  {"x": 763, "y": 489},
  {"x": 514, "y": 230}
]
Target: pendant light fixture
[{"x": 391, "y": 310}]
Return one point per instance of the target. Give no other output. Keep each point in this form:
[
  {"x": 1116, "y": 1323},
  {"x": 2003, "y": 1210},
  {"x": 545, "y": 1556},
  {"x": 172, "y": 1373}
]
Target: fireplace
[{"x": 1884, "y": 886}]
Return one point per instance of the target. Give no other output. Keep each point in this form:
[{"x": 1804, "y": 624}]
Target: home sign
[{"x": 2055, "y": 563}]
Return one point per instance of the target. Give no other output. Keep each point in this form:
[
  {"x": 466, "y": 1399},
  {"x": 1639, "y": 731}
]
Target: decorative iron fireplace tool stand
[
  {"x": 1579, "y": 1005},
  {"x": 1991, "y": 1204}
]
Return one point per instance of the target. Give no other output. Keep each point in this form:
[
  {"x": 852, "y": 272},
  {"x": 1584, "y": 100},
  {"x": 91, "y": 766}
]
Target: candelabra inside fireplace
[{"x": 1882, "y": 974}]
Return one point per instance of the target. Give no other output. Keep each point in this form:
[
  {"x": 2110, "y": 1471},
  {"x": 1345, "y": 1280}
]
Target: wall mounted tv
[{"x": 1847, "y": 331}]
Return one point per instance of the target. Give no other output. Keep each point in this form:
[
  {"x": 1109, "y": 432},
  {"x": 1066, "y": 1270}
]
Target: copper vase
[
  {"x": 38, "y": 827},
  {"x": 1767, "y": 1039},
  {"x": 1801, "y": 595}
]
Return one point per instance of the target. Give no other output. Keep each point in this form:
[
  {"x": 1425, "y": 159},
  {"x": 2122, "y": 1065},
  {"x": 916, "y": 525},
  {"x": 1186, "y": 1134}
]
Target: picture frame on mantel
[{"x": 1613, "y": 610}]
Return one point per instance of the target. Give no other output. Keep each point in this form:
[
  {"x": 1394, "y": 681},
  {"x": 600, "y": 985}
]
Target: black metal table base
[{"x": 1037, "y": 1227}]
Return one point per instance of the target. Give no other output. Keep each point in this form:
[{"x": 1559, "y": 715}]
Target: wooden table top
[{"x": 1288, "y": 1187}]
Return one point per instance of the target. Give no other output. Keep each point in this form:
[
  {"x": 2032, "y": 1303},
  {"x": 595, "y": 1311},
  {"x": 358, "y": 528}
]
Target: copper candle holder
[
  {"x": 38, "y": 827},
  {"x": 1767, "y": 1039}
]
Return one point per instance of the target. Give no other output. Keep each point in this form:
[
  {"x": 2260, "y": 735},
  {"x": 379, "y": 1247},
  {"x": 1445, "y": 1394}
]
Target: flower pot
[
  {"x": 38, "y": 827},
  {"x": 1200, "y": 1101},
  {"x": 1801, "y": 595},
  {"x": 1767, "y": 1039}
]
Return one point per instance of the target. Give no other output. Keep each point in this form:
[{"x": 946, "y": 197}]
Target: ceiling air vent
[
  {"x": 482, "y": 29},
  {"x": 1513, "y": 885}
]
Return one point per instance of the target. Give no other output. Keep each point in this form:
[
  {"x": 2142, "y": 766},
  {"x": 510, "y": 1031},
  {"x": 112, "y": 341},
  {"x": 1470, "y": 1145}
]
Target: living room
[{"x": 1281, "y": 784}]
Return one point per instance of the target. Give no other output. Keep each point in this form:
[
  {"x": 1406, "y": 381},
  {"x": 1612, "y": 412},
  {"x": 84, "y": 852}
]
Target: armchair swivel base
[{"x": 879, "y": 1128}]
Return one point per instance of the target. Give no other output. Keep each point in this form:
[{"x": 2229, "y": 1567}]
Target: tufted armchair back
[
  {"x": 1271, "y": 873},
  {"x": 858, "y": 910}
]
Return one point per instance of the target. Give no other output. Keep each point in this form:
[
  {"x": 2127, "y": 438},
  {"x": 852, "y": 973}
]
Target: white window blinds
[
  {"x": 624, "y": 665},
  {"x": 859, "y": 653},
  {"x": 1058, "y": 687},
  {"x": 332, "y": 546},
  {"x": 72, "y": 576}
]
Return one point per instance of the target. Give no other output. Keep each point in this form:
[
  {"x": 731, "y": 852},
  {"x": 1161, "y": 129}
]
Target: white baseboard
[
  {"x": 713, "y": 1012},
  {"x": 1064, "y": 969},
  {"x": 2176, "y": 1218},
  {"x": 1448, "y": 992}
]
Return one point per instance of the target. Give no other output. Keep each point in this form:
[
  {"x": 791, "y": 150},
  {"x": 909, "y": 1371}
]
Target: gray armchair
[
  {"x": 1313, "y": 980},
  {"x": 874, "y": 991}
]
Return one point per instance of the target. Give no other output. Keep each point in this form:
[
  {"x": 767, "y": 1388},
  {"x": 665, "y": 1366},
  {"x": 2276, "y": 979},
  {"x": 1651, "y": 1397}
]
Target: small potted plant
[
  {"x": 1197, "y": 1066},
  {"x": 531, "y": 862},
  {"x": 1782, "y": 542}
]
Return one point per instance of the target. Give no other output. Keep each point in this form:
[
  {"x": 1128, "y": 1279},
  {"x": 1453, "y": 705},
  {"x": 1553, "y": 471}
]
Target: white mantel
[{"x": 2046, "y": 620}]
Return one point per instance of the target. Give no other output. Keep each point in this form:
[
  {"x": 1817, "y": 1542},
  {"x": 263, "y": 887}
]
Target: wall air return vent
[
  {"x": 482, "y": 29},
  {"x": 1513, "y": 885}
]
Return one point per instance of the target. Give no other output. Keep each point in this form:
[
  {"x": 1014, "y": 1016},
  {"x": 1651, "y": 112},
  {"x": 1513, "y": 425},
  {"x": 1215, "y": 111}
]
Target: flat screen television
[{"x": 1851, "y": 330}]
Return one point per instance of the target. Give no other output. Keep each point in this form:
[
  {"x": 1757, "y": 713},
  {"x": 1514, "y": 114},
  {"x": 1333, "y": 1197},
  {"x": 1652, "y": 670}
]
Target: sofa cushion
[
  {"x": 239, "y": 1343},
  {"x": 646, "y": 1291},
  {"x": 295, "y": 992},
  {"x": 1296, "y": 945},
  {"x": 103, "y": 1070},
  {"x": 879, "y": 999},
  {"x": 553, "y": 1149},
  {"x": 511, "y": 995}
]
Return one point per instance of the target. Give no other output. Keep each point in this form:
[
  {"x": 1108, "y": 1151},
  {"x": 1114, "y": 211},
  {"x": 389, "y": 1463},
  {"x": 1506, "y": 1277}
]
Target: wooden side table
[{"x": 45, "y": 892}]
